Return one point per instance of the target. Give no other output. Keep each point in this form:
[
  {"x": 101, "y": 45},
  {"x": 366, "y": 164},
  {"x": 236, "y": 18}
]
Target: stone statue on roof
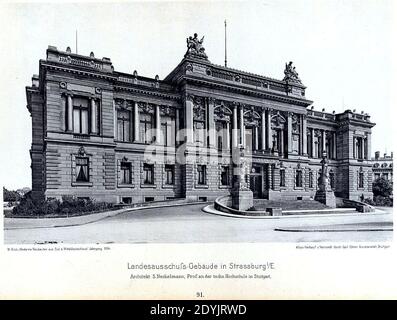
[
  {"x": 195, "y": 46},
  {"x": 290, "y": 73}
]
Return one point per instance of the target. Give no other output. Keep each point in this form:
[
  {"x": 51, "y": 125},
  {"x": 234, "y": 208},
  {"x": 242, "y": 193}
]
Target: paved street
[{"x": 188, "y": 224}]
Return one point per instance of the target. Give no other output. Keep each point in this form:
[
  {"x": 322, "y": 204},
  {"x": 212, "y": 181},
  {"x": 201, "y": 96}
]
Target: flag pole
[{"x": 225, "y": 47}]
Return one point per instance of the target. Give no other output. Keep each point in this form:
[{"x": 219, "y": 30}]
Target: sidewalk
[{"x": 35, "y": 223}]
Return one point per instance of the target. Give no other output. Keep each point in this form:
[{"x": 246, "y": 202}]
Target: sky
[{"x": 342, "y": 50}]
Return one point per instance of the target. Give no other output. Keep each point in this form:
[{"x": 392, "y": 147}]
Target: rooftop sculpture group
[
  {"x": 290, "y": 73},
  {"x": 195, "y": 46}
]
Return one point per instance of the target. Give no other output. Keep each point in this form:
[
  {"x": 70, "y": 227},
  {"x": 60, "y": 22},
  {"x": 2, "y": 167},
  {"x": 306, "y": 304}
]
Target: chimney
[
  {"x": 391, "y": 154},
  {"x": 377, "y": 154}
]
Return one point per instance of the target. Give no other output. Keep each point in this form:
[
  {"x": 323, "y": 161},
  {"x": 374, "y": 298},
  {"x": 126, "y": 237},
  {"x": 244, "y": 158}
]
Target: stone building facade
[
  {"x": 383, "y": 166},
  {"x": 112, "y": 136}
]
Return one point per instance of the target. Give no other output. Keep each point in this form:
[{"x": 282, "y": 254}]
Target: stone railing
[
  {"x": 67, "y": 57},
  {"x": 321, "y": 115},
  {"x": 224, "y": 203},
  {"x": 358, "y": 205}
]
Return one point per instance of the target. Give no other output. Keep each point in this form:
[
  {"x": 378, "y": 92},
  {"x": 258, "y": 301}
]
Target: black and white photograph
[{"x": 198, "y": 122}]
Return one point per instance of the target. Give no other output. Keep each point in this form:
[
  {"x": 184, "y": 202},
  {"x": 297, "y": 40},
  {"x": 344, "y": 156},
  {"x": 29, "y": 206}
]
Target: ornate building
[
  {"x": 382, "y": 167},
  {"x": 120, "y": 137}
]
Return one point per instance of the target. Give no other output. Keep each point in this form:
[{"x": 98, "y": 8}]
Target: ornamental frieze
[
  {"x": 145, "y": 107},
  {"x": 167, "y": 111}
]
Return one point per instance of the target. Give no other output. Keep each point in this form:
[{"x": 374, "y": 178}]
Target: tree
[
  {"x": 10, "y": 196},
  {"x": 382, "y": 187}
]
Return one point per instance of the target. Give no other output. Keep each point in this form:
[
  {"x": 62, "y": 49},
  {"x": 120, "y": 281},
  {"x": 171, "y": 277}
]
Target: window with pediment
[
  {"x": 278, "y": 125},
  {"x": 167, "y": 118},
  {"x": 199, "y": 122},
  {"x": 252, "y": 120},
  {"x": 146, "y": 123},
  {"x": 296, "y": 129},
  {"x": 222, "y": 117}
]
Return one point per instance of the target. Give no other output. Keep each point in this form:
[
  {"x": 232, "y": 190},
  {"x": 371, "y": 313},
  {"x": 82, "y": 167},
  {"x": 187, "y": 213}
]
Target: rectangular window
[
  {"x": 148, "y": 173},
  {"x": 82, "y": 172},
  {"x": 225, "y": 175},
  {"x": 167, "y": 131},
  {"x": 201, "y": 172},
  {"x": 298, "y": 179},
  {"x": 310, "y": 179},
  {"x": 377, "y": 176},
  {"x": 125, "y": 168},
  {"x": 124, "y": 125},
  {"x": 145, "y": 128},
  {"x": 361, "y": 180},
  {"x": 80, "y": 116},
  {"x": 221, "y": 135},
  {"x": 249, "y": 139},
  {"x": 169, "y": 174},
  {"x": 282, "y": 177},
  {"x": 199, "y": 133}
]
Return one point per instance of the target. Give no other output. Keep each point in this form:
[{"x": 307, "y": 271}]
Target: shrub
[
  {"x": 68, "y": 207},
  {"x": 382, "y": 187},
  {"x": 383, "y": 201},
  {"x": 369, "y": 201}
]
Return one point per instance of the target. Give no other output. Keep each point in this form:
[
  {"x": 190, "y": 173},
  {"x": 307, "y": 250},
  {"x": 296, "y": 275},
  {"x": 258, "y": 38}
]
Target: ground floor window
[
  {"x": 310, "y": 179},
  {"x": 82, "y": 169},
  {"x": 225, "y": 176},
  {"x": 201, "y": 174},
  {"x": 148, "y": 173},
  {"x": 282, "y": 177},
  {"x": 298, "y": 179},
  {"x": 169, "y": 174},
  {"x": 361, "y": 180},
  {"x": 125, "y": 168}
]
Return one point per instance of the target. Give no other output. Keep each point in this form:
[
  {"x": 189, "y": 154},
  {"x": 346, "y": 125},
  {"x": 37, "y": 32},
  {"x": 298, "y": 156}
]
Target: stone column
[
  {"x": 227, "y": 138},
  {"x": 242, "y": 129},
  {"x": 177, "y": 139},
  {"x": 304, "y": 135},
  {"x": 263, "y": 130},
  {"x": 362, "y": 148},
  {"x": 158, "y": 125},
  {"x": 313, "y": 143},
  {"x": 256, "y": 139},
  {"x": 354, "y": 148},
  {"x": 234, "y": 127},
  {"x": 93, "y": 116},
  {"x": 323, "y": 135},
  {"x": 268, "y": 129},
  {"x": 70, "y": 113},
  {"x": 114, "y": 120},
  {"x": 189, "y": 118},
  {"x": 281, "y": 146},
  {"x": 136, "y": 121},
  {"x": 334, "y": 145},
  {"x": 369, "y": 147},
  {"x": 211, "y": 123},
  {"x": 289, "y": 132}
]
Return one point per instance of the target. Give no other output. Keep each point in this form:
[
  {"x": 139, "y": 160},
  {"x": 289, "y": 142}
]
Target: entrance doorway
[{"x": 256, "y": 181}]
